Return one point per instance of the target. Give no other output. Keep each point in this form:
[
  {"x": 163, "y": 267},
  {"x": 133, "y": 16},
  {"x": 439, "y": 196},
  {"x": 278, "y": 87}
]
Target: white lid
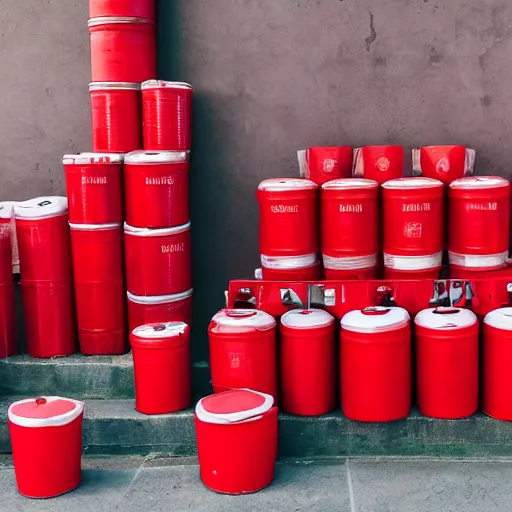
[
  {"x": 41, "y": 207},
  {"x": 93, "y": 158},
  {"x": 7, "y": 209},
  {"x": 412, "y": 182},
  {"x": 155, "y": 157},
  {"x": 130, "y": 230},
  {"x": 289, "y": 262},
  {"x": 500, "y": 319},
  {"x": 445, "y": 318},
  {"x": 233, "y": 406},
  {"x": 94, "y": 227},
  {"x": 162, "y": 84},
  {"x": 286, "y": 184},
  {"x": 159, "y": 299},
  {"x": 108, "y": 20},
  {"x": 375, "y": 319},
  {"x": 306, "y": 318},
  {"x": 160, "y": 330},
  {"x": 477, "y": 182},
  {"x": 349, "y": 183},
  {"x": 244, "y": 318},
  {"x": 117, "y": 86}
]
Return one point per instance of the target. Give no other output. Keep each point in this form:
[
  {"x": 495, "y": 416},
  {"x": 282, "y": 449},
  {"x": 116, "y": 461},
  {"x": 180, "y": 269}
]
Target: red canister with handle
[
  {"x": 379, "y": 163},
  {"x": 322, "y": 163}
]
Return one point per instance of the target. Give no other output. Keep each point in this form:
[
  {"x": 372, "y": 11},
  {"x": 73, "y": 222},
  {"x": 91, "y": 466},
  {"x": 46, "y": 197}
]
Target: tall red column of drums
[
  {"x": 131, "y": 8},
  {"x": 8, "y": 334},
  {"x": 379, "y": 163},
  {"x": 349, "y": 218},
  {"x": 447, "y": 362},
  {"x": 322, "y": 163},
  {"x": 413, "y": 234}
]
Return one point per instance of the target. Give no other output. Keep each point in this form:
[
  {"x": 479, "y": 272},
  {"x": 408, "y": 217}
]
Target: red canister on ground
[
  {"x": 167, "y": 115},
  {"x": 236, "y": 441},
  {"x": 135, "y": 8},
  {"x": 479, "y": 222},
  {"x": 379, "y": 163},
  {"x": 243, "y": 351},
  {"x": 161, "y": 366},
  {"x": 447, "y": 362},
  {"x": 322, "y": 163},
  {"x": 7, "y": 219},
  {"x": 94, "y": 187},
  {"x": 376, "y": 364},
  {"x": 281, "y": 272},
  {"x": 158, "y": 261},
  {"x": 413, "y": 216},
  {"x": 308, "y": 362},
  {"x": 116, "y": 116},
  {"x": 156, "y": 188},
  {"x": 8, "y": 334},
  {"x": 46, "y": 437},
  {"x": 123, "y": 49}
]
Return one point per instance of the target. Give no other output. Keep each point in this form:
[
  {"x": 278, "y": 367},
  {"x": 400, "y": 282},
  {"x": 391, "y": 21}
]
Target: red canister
[
  {"x": 376, "y": 364},
  {"x": 236, "y": 441},
  {"x": 167, "y": 115},
  {"x": 288, "y": 217},
  {"x": 7, "y": 219},
  {"x": 123, "y": 49},
  {"x": 161, "y": 367},
  {"x": 413, "y": 217},
  {"x": 135, "y": 8},
  {"x": 447, "y": 362},
  {"x": 308, "y": 362},
  {"x": 379, "y": 163},
  {"x": 282, "y": 272},
  {"x": 158, "y": 261},
  {"x": 156, "y": 188},
  {"x": 349, "y": 218},
  {"x": 321, "y": 164},
  {"x": 116, "y": 116},
  {"x": 94, "y": 187},
  {"x": 479, "y": 222},
  {"x": 46, "y": 437},
  {"x": 243, "y": 351}
]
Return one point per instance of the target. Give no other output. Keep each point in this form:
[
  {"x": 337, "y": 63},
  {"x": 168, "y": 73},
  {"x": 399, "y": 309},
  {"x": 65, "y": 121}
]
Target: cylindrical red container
[
  {"x": 94, "y": 187},
  {"x": 116, "y": 116},
  {"x": 43, "y": 239},
  {"x": 8, "y": 335},
  {"x": 156, "y": 188},
  {"x": 282, "y": 273},
  {"x": 243, "y": 351},
  {"x": 447, "y": 362},
  {"x": 46, "y": 438},
  {"x": 413, "y": 221},
  {"x": 7, "y": 219},
  {"x": 161, "y": 367},
  {"x": 414, "y": 275},
  {"x": 288, "y": 217},
  {"x": 379, "y": 163},
  {"x": 376, "y": 364},
  {"x": 349, "y": 219},
  {"x": 363, "y": 274},
  {"x": 135, "y": 8},
  {"x": 236, "y": 441},
  {"x": 322, "y": 163},
  {"x": 308, "y": 362},
  {"x": 479, "y": 222},
  {"x": 158, "y": 261},
  {"x": 123, "y": 49},
  {"x": 167, "y": 115}
]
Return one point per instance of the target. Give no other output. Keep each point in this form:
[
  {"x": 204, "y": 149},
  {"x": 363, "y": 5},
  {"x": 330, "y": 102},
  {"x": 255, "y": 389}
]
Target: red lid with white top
[
  {"x": 375, "y": 319},
  {"x": 93, "y": 158},
  {"x": 306, "y": 319},
  {"x": 411, "y": 182},
  {"x": 500, "y": 319},
  {"x": 242, "y": 320},
  {"x": 233, "y": 406},
  {"x": 475, "y": 182},
  {"x": 445, "y": 318},
  {"x": 45, "y": 411},
  {"x": 286, "y": 184},
  {"x": 41, "y": 207},
  {"x": 349, "y": 183}
]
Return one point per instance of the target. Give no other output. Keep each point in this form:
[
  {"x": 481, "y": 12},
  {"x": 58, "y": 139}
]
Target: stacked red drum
[
  {"x": 322, "y": 164},
  {"x": 379, "y": 163}
]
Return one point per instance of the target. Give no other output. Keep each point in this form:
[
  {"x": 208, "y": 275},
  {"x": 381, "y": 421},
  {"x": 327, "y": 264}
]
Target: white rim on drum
[
  {"x": 375, "y": 319},
  {"x": 444, "y": 318},
  {"x": 94, "y": 227},
  {"x": 487, "y": 261},
  {"x": 500, "y": 319},
  {"x": 307, "y": 319},
  {"x": 160, "y": 330},
  {"x": 244, "y": 318},
  {"x": 349, "y": 262},
  {"x": 93, "y": 158},
  {"x": 113, "y": 20},
  {"x": 162, "y": 84},
  {"x": 286, "y": 184},
  {"x": 159, "y": 299},
  {"x": 114, "y": 86},
  {"x": 41, "y": 207},
  {"x": 479, "y": 182},
  {"x": 147, "y": 232},
  {"x": 289, "y": 262},
  {"x": 429, "y": 262},
  {"x": 349, "y": 184},
  {"x": 142, "y": 157}
]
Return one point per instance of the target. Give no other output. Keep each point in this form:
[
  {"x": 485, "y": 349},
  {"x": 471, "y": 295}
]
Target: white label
[
  {"x": 94, "y": 180},
  {"x": 351, "y": 208},
  {"x": 482, "y": 206},
  {"x": 281, "y": 208},
  {"x": 412, "y": 229},
  {"x": 173, "y": 248},
  {"x": 329, "y": 165},
  {"x": 416, "y": 207},
  {"x": 164, "y": 180}
]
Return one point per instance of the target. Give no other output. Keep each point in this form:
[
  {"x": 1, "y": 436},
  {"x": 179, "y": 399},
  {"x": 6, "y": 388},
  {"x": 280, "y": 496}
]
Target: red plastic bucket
[
  {"x": 322, "y": 163},
  {"x": 7, "y": 220},
  {"x": 94, "y": 187},
  {"x": 236, "y": 441},
  {"x": 123, "y": 49},
  {"x": 156, "y": 188},
  {"x": 379, "y": 163},
  {"x": 308, "y": 362},
  {"x": 46, "y": 437},
  {"x": 135, "y": 8},
  {"x": 161, "y": 366},
  {"x": 167, "y": 115},
  {"x": 243, "y": 351},
  {"x": 283, "y": 273},
  {"x": 158, "y": 261},
  {"x": 116, "y": 116}
]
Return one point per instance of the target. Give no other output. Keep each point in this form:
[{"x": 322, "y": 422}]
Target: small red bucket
[
  {"x": 379, "y": 163},
  {"x": 321, "y": 164},
  {"x": 135, "y": 8}
]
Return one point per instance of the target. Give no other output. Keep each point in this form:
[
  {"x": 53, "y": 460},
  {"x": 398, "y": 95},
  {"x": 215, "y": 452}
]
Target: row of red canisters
[
  {"x": 383, "y": 163},
  {"x": 405, "y": 217}
]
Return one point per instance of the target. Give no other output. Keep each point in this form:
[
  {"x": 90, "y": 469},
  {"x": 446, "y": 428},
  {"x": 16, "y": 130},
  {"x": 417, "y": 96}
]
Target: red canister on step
[
  {"x": 135, "y": 8},
  {"x": 236, "y": 441},
  {"x": 379, "y": 163},
  {"x": 46, "y": 437},
  {"x": 322, "y": 163}
]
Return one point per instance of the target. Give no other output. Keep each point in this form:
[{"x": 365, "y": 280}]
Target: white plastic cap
[
  {"x": 41, "y": 207},
  {"x": 244, "y": 318},
  {"x": 161, "y": 330},
  {"x": 156, "y": 157},
  {"x": 375, "y": 319},
  {"x": 286, "y": 184},
  {"x": 445, "y": 318},
  {"x": 307, "y": 318},
  {"x": 349, "y": 183},
  {"x": 159, "y": 299},
  {"x": 500, "y": 319},
  {"x": 477, "y": 182},
  {"x": 411, "y": 182},
  {"x": 92, "y": 158}
]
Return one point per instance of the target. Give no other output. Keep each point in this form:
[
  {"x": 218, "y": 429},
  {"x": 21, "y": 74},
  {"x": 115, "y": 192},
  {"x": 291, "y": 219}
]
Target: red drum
[
  {"x": 134, "y": 8},
  {"x": 43, "y": 239},
  {"x": 116, "y": 116},
  {"x": 362, "y": 274},
  {"x": 413, "y": 216},
  {"x": 161, "y": 367},
  {"x": 414, "y": 275},
  {"x": 123, "y": 49},
  {"x": 479, "y": 222},
  {"x": 158, "y": 261},
  {"x": 447, "y": 362},
  {"x": 308, "y": 273},
  {"x": 7, "y": 219},
  {"x": 308, "y": 362},
  {"x": 94, "y": 187},
  {"x": 236, "y": 441},
  {"x": 166, "y": 308},
  {"x": 379, "y": 163},
  {"x": 156, "y": 188},
  {"x": 46, "y": 436},
  {"x": 376, "y": 364},
  {"x": 243, "y": 351},
  {"x": 445, "y": 163},
  {"x": 288, "y": 217},
  {"x": 167, "y": 115},
  {"x": 321, "y": 164}
]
